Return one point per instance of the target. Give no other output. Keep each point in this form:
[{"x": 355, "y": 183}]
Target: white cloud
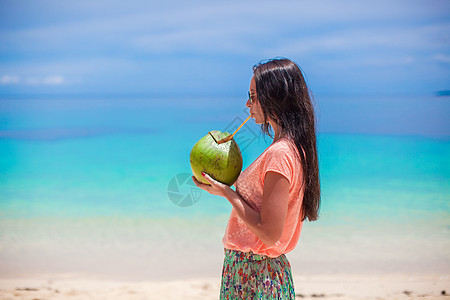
[
  {"x": 53, "y": 80},
  {"x": 442, "y": 58},
  {"x": 103, "y": 43},
  {"x": 9, "y": 79},
  {"x": 211, "y": 26},
  {"x": 368, "y": 39},
  {"x": 34, "y": 80},
  {"x": 46, "y": 80}
]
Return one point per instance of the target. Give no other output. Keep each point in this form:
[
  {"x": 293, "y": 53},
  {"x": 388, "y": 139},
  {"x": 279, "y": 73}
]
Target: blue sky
[{"x": 208, "y": 47}]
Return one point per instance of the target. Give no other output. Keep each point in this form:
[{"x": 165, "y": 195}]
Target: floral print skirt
[{"x": 246, "y": 275}]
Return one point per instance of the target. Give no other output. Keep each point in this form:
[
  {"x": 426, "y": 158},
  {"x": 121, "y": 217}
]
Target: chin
[{"x": 257, "y": 119}]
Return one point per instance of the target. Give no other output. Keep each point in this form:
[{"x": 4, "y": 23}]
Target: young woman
[{"x": 276, "y": 193}]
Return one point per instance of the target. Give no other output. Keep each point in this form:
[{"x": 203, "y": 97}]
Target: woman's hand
[{"x": 216, "y": 187}]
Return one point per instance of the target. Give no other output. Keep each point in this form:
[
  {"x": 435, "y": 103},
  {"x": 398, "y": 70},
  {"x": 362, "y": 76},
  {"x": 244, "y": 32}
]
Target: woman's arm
[{"x": 267, "y": 224}]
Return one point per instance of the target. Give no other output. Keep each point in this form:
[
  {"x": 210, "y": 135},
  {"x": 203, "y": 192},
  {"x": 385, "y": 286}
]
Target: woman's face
[{"x": 255, "y": 108}]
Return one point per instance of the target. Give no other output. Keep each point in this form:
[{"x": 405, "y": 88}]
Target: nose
[{"x": 248, "y": 103}]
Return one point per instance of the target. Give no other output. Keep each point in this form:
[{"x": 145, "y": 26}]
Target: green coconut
[{"x": 223, "y": 162}]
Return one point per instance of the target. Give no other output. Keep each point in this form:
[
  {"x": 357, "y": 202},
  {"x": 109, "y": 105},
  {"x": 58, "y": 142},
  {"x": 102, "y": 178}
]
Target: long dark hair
[{"x": 284, "y": 97}]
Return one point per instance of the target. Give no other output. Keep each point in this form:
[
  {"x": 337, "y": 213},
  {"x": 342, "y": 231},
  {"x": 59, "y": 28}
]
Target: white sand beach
[
  {"x": 340, "y": 287},
  {"x": 329, "y": 263}
]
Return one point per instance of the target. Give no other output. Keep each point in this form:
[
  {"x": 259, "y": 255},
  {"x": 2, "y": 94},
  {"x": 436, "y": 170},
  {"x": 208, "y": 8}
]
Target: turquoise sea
[{"x": 85, "y": 182}]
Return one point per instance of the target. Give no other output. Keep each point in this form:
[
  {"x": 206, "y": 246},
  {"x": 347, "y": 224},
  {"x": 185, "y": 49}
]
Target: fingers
[
  {"x": 208, "y": 178},
  {"x": 216, "y": 187},
  {"x": 195, "y": 180},
  {"x": 201, "y": 185},
  {"x": 198, "y": 183}
]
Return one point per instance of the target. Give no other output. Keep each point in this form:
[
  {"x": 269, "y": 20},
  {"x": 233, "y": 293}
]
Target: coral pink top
[{"x": 279, "y": 157}]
